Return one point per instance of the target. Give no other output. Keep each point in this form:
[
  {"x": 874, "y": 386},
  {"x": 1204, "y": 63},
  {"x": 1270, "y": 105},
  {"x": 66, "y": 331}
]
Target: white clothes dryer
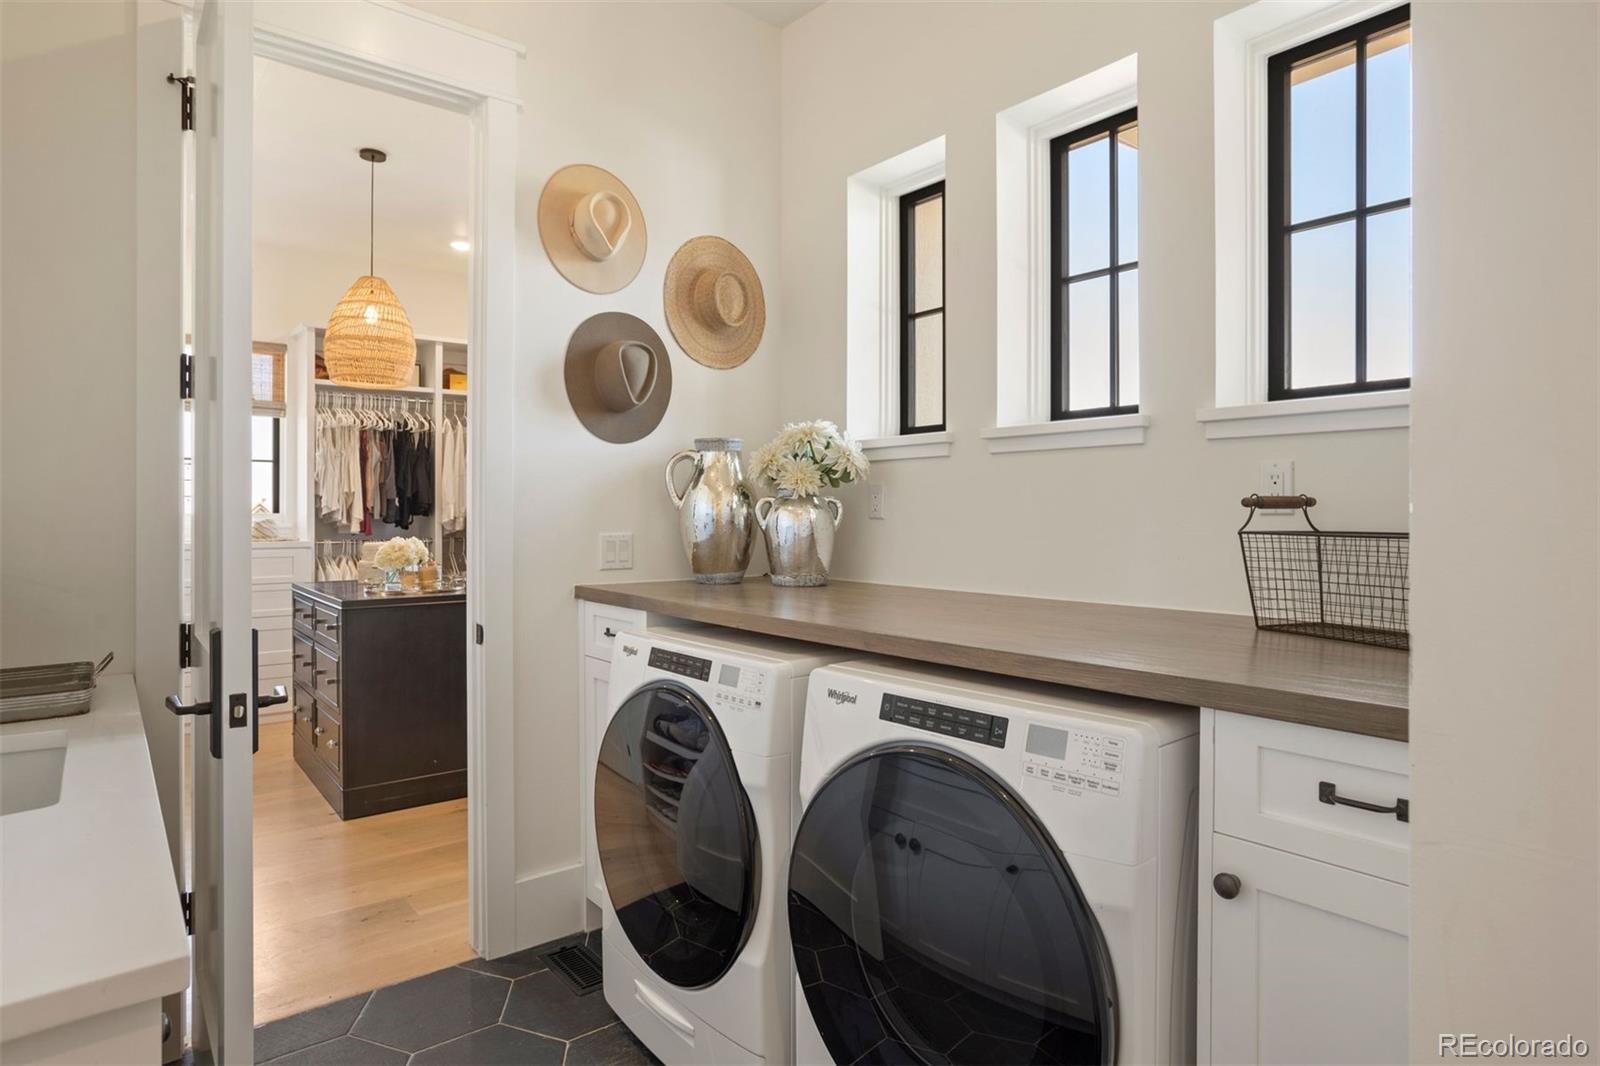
[
  {"x": 693, "y": 808},
  {"x": 990, "y": 872}
]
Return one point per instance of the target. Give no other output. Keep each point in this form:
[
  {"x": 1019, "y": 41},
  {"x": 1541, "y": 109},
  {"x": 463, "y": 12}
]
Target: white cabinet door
[
  {"x": 596, "y": 678},
  {"x": 1308, "y": 961}
]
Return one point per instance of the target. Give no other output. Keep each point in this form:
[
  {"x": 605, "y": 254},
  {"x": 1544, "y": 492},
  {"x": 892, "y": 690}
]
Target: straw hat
[
  {"x": 592, "y": 228},
  {"x": 619, "y": 379},
  {"x": 714, "y": 302}
]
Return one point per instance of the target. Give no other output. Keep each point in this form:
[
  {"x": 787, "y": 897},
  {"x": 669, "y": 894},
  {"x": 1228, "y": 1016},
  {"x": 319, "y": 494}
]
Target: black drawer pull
[
  {"x": 608, "y": 633},
  {"x": 1226, "y": 885},
  {"x": 1328, "y": 792},
  {"x": 330, "y": 625}
]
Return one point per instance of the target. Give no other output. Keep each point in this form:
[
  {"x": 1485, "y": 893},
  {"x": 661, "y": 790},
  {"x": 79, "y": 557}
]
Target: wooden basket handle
[{"x": 1278, "y": 503}]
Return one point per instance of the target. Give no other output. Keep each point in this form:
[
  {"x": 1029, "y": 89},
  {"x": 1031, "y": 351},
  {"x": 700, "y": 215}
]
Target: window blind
[{"x": 266, "y": 380}]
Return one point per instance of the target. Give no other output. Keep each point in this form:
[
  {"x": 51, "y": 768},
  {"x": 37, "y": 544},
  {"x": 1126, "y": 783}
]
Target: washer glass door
[
  {"x": 675, "y": 834},
  {"x": 933, "y": 920}
]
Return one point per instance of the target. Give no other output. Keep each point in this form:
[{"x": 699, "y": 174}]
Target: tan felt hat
[
  {"x": 619, "y": 379},
  {"x": 592, "y": 228},
  {"x": 714, "y": 302}
]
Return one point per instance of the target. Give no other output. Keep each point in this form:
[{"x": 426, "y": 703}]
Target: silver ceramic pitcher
[
  {"x": 799, "y": 533},
  {"x": 715, "y": 518}
]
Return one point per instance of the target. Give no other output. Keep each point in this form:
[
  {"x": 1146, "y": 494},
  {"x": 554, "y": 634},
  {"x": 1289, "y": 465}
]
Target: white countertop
[{"x": 89, "y": 913}]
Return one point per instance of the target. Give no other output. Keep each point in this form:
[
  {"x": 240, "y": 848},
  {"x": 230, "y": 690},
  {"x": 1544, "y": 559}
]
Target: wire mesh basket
[{"x": 1344, "y": 586}]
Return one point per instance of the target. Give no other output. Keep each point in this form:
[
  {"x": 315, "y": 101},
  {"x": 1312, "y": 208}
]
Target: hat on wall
[
  {"x": 619, "y": 379},
  {"x": 714, "y": 302},
  {"x": 592, "y": 228}
]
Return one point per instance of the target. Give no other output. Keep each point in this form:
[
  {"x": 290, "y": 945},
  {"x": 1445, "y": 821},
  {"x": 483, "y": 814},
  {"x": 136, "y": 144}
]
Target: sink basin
[{"x": 30, "y": 770}]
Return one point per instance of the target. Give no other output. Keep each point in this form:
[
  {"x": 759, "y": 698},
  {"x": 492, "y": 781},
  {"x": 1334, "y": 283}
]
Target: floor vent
[{"x": 579, "y": 965}]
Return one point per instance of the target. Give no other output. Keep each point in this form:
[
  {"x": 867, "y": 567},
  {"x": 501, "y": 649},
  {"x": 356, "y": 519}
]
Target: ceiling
[
  {"x": 311, "y": 188},
  {"x": 775, "y": 12}
]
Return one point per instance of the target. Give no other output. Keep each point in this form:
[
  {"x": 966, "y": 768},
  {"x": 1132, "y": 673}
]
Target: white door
[
  {"x": 225, "y": 739},
  {"x": 1308, "y": 961}
]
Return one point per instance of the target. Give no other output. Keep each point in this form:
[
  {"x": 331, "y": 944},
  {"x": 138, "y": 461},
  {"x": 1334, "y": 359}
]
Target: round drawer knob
[
  {"x": 332, "y": 744},
  {"x": 317, "y": 732},
  {"x": 1227, "y": 885}
]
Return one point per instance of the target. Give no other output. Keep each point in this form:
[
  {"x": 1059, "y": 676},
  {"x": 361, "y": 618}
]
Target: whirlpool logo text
[{"x": 841, "y": 697}]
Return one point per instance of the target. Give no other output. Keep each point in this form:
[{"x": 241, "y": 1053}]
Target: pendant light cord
[{"x": 372, "y": 209}]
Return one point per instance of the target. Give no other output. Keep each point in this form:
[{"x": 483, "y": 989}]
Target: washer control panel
[
  {"x": 1074, "y": 760},
  {"x": 941, "y": 718},
  {"x": 677, "y": 662},
  {"x": 741, "y": 686}
]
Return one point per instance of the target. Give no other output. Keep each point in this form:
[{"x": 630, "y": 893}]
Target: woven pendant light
[{"x": 369, "y": 342}]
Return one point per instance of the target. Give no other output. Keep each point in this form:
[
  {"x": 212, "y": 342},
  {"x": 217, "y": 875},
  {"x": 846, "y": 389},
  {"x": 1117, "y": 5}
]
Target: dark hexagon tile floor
[{"x": 481, "y": 1013}]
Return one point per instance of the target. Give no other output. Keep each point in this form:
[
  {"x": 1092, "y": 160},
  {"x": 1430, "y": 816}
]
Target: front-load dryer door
[
  {"x": 933, "y": 920},
  {"x": 675, "y": 834}
]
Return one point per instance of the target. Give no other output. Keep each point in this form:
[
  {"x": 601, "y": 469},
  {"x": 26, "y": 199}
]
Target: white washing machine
[
  {"x": 992, "y": 872},
  {"x": 693, "y": 807}
]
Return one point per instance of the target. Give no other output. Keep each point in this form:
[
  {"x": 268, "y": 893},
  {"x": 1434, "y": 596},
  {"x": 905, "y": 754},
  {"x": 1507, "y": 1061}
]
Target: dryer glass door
[
  {"x": 675, "y": 834},
  {"x": 933, "y": 920}
]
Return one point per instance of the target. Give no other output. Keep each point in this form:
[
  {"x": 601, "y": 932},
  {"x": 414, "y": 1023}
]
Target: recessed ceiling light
[{"x": 460, "y": 245}]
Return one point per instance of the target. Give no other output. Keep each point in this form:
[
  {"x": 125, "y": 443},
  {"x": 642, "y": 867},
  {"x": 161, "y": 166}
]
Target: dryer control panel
[
  {"x": 741, "y": 686},
  {"x": 941, "y": 718},
  {"x": 676, "y": 662},
  {"x": 1075, "y": 760}
]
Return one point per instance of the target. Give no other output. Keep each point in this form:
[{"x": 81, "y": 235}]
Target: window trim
[
  {"x": 908, "y": 316},
  {"x": 1060, "y": 402},
  {"x": 1281, "y": 228}
]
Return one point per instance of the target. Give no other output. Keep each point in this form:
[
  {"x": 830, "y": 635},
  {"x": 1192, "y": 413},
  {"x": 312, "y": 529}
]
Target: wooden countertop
[
  {"x": 1187, "y": 657},
  {"x": 351, "y": 594}
]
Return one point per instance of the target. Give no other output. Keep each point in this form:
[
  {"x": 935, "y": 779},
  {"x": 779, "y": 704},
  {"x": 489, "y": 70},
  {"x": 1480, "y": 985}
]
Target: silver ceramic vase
[
  {"x": 715, "y": 517},
  {"x": 799, "y": 532}
]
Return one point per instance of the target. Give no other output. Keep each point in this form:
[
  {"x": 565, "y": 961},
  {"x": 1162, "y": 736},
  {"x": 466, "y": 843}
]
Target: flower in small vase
[
  {"x": 393, "y": 554},
  {"x": 797, "y": 477},
  {"x": 808, "y": 456}
]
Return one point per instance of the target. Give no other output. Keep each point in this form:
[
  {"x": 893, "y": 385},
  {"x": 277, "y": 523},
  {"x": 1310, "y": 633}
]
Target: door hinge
[
  {"x": 185, "y": 376},
  {"x": 185, "y": 645},
  {"x": 186, "y": 901},
  {"x": 185, "y": 86}
]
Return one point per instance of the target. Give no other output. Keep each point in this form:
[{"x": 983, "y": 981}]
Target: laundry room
[{"x": 799, "y": 532}]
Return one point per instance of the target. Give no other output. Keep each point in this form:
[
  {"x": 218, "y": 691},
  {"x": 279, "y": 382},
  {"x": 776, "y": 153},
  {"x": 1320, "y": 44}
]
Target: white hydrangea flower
[{"x": 764, "y": 461}]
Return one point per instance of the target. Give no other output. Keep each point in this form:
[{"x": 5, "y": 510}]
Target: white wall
[
  {"x": 1504, "y": 590},
  {"x": 684, "y": 108},
  {"x": 1150, "y": 524},
  {"x": 67, "y": 277},
  {"x": 293, "y": 285}
]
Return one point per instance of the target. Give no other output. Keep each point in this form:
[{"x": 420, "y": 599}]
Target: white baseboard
[{"x": 549, "y": 905}]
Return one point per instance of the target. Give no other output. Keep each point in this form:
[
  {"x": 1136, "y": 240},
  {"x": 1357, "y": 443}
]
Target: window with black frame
[
  {"x": 1094, "y": 269},
  {"x": 268, "y": 411},
  {"x": 922, "y": 310},
  {"x": 1339, "y": 205}
]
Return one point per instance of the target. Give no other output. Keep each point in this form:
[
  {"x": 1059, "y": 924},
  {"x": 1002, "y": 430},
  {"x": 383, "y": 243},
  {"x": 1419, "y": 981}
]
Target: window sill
[
  {"x": 908, "y": 446},
  {"x": 1108, "y": 432},
  {"x": 1322, "y": 414}
]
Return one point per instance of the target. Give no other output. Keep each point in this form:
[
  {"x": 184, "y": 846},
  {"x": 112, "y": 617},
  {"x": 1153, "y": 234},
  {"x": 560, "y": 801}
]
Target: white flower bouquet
[
  {"x": 398, "y": 553},
  {"x": 808, "y": 456}
]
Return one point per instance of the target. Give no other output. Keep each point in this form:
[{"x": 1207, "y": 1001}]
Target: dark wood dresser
[{"x": 380, "y": 696}]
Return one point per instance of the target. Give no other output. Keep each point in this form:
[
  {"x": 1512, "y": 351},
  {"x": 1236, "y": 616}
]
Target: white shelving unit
[{"x": 434, "y": 356}]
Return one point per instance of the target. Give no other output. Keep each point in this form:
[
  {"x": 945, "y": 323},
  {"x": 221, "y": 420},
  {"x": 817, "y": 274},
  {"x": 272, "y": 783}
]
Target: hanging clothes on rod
[
  {"x": 452, "y": 488},
  {"x": 340, "y": 560},
  {"x": 374, "y": 460}
]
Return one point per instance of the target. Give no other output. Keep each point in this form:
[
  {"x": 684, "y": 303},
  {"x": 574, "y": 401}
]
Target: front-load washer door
[
  {"x": 934, "y": 920},
  {"x": 675, "y": 834}
]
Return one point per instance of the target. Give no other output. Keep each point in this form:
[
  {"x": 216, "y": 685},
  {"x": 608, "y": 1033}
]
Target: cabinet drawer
[
  {"x": 305, "y": 712},
  {"x": 327, "y": 677},
  {"x": 601, "y": 624},
  {"x": 1289, "y": 786},
  {"x": 326, "y": 627},
  {"x": 305, "y": 615},
  {"x": 325, "y": 740},
  {"x": 303, "y": 662}
]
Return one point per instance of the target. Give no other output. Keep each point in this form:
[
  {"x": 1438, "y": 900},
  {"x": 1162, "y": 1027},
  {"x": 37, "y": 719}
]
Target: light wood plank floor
[{"x": 345, "y": 907}]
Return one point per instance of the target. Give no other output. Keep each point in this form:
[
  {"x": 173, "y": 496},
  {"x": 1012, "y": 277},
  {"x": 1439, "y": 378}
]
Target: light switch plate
[
  {"x": 616, "y": 551},
  {"x": 877, "y": 501}
]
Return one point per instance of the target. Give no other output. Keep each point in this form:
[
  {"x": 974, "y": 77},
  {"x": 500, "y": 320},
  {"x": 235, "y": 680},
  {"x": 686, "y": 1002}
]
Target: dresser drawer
[
  {"x": 326, "y": 626},
  {"x": 304, "y": 614},
  {"x": 303, "y": 661},
  {"x": 601, "y": 624},
  {"x": 1297, "y": 788},
  {"x": 305, "y": 712},
  {"x": 326, "y": 673},
  {"x": 325, "y": 740}
]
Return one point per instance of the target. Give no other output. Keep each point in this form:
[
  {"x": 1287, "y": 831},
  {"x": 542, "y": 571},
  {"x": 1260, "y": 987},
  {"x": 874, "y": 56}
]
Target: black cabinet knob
[
  {"x": 1011, "y": 869},
  {"x": 1227, "y": 885},
  {"x": 916, "y": 846},
  {"x": 899, "y": 840}
]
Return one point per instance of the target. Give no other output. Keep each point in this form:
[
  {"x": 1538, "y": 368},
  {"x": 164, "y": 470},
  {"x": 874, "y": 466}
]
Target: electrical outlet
[
  {"x": 877, "y": 501},
  {"x": 616, "y": 551},
  {"x": 1277, "y": 479}
]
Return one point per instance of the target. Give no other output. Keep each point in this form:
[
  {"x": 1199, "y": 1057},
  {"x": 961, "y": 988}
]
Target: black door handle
[
  {"x": 176, "y": 705},
  {"x": 278, "y": 695},
  {"x": 205, "y": 707},
  {"x": 1328, "y": 792}
]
